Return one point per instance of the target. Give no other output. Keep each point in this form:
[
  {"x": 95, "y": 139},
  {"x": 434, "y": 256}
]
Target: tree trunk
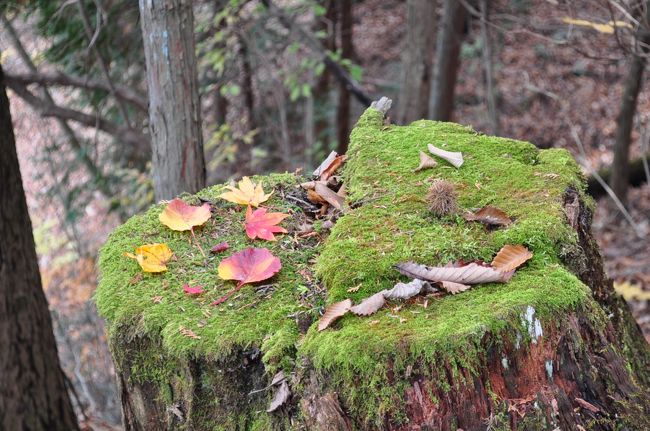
[
  {"x": 488, "y": 69},
  {"x": 347, "y": 48},
  {"x": 417, "y": 61},
  {"x": 174, "y": 109},
  {"x": 322, "y": 100},
  {"x": 33, "y": 393},
  {"x": 447, "y": 60},
  {"x": 554, "y": 348},
  {"x": 625, "y": 120}
]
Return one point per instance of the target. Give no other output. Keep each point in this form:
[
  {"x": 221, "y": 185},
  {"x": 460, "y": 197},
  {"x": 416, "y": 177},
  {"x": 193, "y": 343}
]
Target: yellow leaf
[
  {"x": 152, "y": 257},
  {"x": 632, "y": 291},
  {"x": 247, "y": 194},
  {"x": 178, "y": 215},
  {"x": 606, "y": 28}
]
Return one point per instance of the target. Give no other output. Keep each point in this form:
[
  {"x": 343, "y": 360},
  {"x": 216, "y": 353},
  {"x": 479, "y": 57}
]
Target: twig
[{"x": 198, "y": 244}]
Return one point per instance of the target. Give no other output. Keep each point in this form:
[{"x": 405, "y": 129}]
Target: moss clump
[
  {"x": 390, "y": 223},
  {"x": 393, "y": 225}
]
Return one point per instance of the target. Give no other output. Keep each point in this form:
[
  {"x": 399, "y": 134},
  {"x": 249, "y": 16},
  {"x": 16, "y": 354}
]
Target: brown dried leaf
[
  {"x": 333, "y": 167},
  {"x": 456, "y": 159},
  {"x": 407, "y": 290},
  {"x": 329, "y": 195},
  {"x": 333, "y": 313},
  {"x": 511, "y": 257},
  {"x": 369, "y": 305},
  {"x": 466, "y": 274},
  {"x": 425, "y": 162},
  {"x": 281, "y": 396},
  {"x": 454, "y": 288},
  {"x": 326, "y": 163},
  {"x": 315, "y": 197},
  {"x": 489, "y": 215},
  {"x": 188, "y": 333}
]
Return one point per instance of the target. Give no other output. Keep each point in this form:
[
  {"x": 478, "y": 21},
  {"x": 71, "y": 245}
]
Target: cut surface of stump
[{"x": 552, "y": 348}]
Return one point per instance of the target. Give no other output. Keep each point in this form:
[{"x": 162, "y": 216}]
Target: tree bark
[
  {"x": 417, "y": 61},
  {"x": 625, "y": 120},
  {"x": 33, "y": 393},
  {"x": 488, "y": 69},
  {"x": 447, "y": 60},
  {"x": 347, "y": 48},
  {"x": 174, "y": 109},
  {"x": 580, "y": 366}
]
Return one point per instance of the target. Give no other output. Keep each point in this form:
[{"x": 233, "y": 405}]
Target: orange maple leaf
[
  {"x": 180, "y": 216},
  {"x": 248, "y": 266},
  {"x": 152, "y": 257},
  {"x": 260, "y": 224}
]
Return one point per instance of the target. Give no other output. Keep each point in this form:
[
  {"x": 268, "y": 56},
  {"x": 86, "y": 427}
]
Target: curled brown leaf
[
  {"x": 511, "y": 257},
  {"x": 369, "y": 305},
  {"x": 333, "y": 313},
  {"x": 489, "y": 215}
]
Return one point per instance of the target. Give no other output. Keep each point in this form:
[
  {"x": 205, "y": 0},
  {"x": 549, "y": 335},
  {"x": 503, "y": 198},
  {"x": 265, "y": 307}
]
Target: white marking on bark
[
  {"x": 504, "y": 363},
  {"x": 549, "y": 368},
  {"x": 532, "y": 323}
]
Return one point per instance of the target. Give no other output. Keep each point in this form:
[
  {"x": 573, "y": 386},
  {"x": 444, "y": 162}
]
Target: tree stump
[{"x": 554, "y": 348}]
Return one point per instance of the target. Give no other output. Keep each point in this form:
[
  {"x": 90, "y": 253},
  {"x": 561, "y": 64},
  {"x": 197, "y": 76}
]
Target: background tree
[
  {"x": 447, "y": 60},
  {"x": 174, "y": 111},
  {"x": 421, "y": 17},
  {"x": 631, "y": 88},
  {"x": 33, "y": 393}
]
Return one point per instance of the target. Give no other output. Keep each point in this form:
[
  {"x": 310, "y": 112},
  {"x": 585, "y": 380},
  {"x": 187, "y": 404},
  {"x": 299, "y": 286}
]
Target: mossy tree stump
[{"x": 551, "y": 349}]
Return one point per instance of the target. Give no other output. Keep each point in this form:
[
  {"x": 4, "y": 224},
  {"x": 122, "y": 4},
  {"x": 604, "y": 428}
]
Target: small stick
[{"x": 198, "y": 244}]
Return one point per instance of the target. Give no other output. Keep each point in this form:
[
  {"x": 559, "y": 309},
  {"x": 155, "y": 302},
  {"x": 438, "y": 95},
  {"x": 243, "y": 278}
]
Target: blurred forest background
[{"x": 281, "y": 83}]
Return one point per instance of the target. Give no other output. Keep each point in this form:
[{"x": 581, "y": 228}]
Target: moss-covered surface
[{"x": 389, "y": 224}]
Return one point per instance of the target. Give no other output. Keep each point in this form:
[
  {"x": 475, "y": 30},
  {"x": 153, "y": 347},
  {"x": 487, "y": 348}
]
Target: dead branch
[{"x": 58, "y": 78}]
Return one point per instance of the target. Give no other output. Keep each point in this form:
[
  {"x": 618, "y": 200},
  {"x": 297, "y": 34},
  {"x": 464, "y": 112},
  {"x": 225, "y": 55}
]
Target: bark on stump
[{"x": 552, "y": 349}]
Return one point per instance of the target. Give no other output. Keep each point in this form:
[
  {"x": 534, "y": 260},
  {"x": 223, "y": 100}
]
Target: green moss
[
  {"x": 392, "y": 225},
  {"x": 389, "y": 224}
]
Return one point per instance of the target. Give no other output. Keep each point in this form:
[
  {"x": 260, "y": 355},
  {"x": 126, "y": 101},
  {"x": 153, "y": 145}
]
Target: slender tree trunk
[
  {"x": 417, "y": 60},
  {"x": 33, "y": 395},
  {"x": 322, "y": 100},
  {"x": 245, "y": 156},
  {"x": 174, "y": 109},
  {"x": 347, "y": 48},
  {"x": 488, "y": 69},
  {"x": 625, "y": 120},
  {"x": 447, "y": 60}
]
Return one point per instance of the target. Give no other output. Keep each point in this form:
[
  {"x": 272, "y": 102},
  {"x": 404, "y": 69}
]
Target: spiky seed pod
[{"x": 442, "y": 198}]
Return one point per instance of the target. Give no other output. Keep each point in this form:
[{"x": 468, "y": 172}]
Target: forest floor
[{"x": 547, "y": 83}]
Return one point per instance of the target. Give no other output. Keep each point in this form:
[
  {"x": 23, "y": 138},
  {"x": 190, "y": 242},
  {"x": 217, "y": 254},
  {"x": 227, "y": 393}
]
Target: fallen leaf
[
  {"x": 510, "y": 257},
  {"x": 466, "y": 274},
  {"x": 332, "y": 168},
  {"x": 326, "y": 163},
  {"x": 247, "y": 266},
  {"x": 315, "y": 197},
  {"x": 188, "y": 333},
  {"x": 157, "y": 299},
  {"x": 280, "y": 397},
  {"x": 406, "y": 290},
  {"x": 333, "y": 313},
  {"x": 260, "y": 224},
  {"x": 180, "y": 216},
  {"x": 222, "y": 246},
  {"x": 329, "y": 195},
  {"x": 606, "y": 28},
  {"x": 152, "y": 257},
  {"x": 454, "y": 288},
  {"x": 247, "y": 193},
  {"x": 489, "y": 215},
  {"x": 456, "y": 159},
  {"x": 369, "y": 305},
  {"x": 193, "y": 290},
  {"x": 425, "y": 162},
  {"x": 278, "y": 378},
  {"x": 354, "y": 289}
]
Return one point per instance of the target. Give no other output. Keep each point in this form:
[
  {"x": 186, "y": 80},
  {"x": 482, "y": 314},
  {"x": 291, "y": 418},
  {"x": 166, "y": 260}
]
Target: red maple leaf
[{"x": 260, "y": 224}]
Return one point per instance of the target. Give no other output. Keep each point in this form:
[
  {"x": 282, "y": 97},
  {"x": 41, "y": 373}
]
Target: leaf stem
[{"x": 198, "y": 244}]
